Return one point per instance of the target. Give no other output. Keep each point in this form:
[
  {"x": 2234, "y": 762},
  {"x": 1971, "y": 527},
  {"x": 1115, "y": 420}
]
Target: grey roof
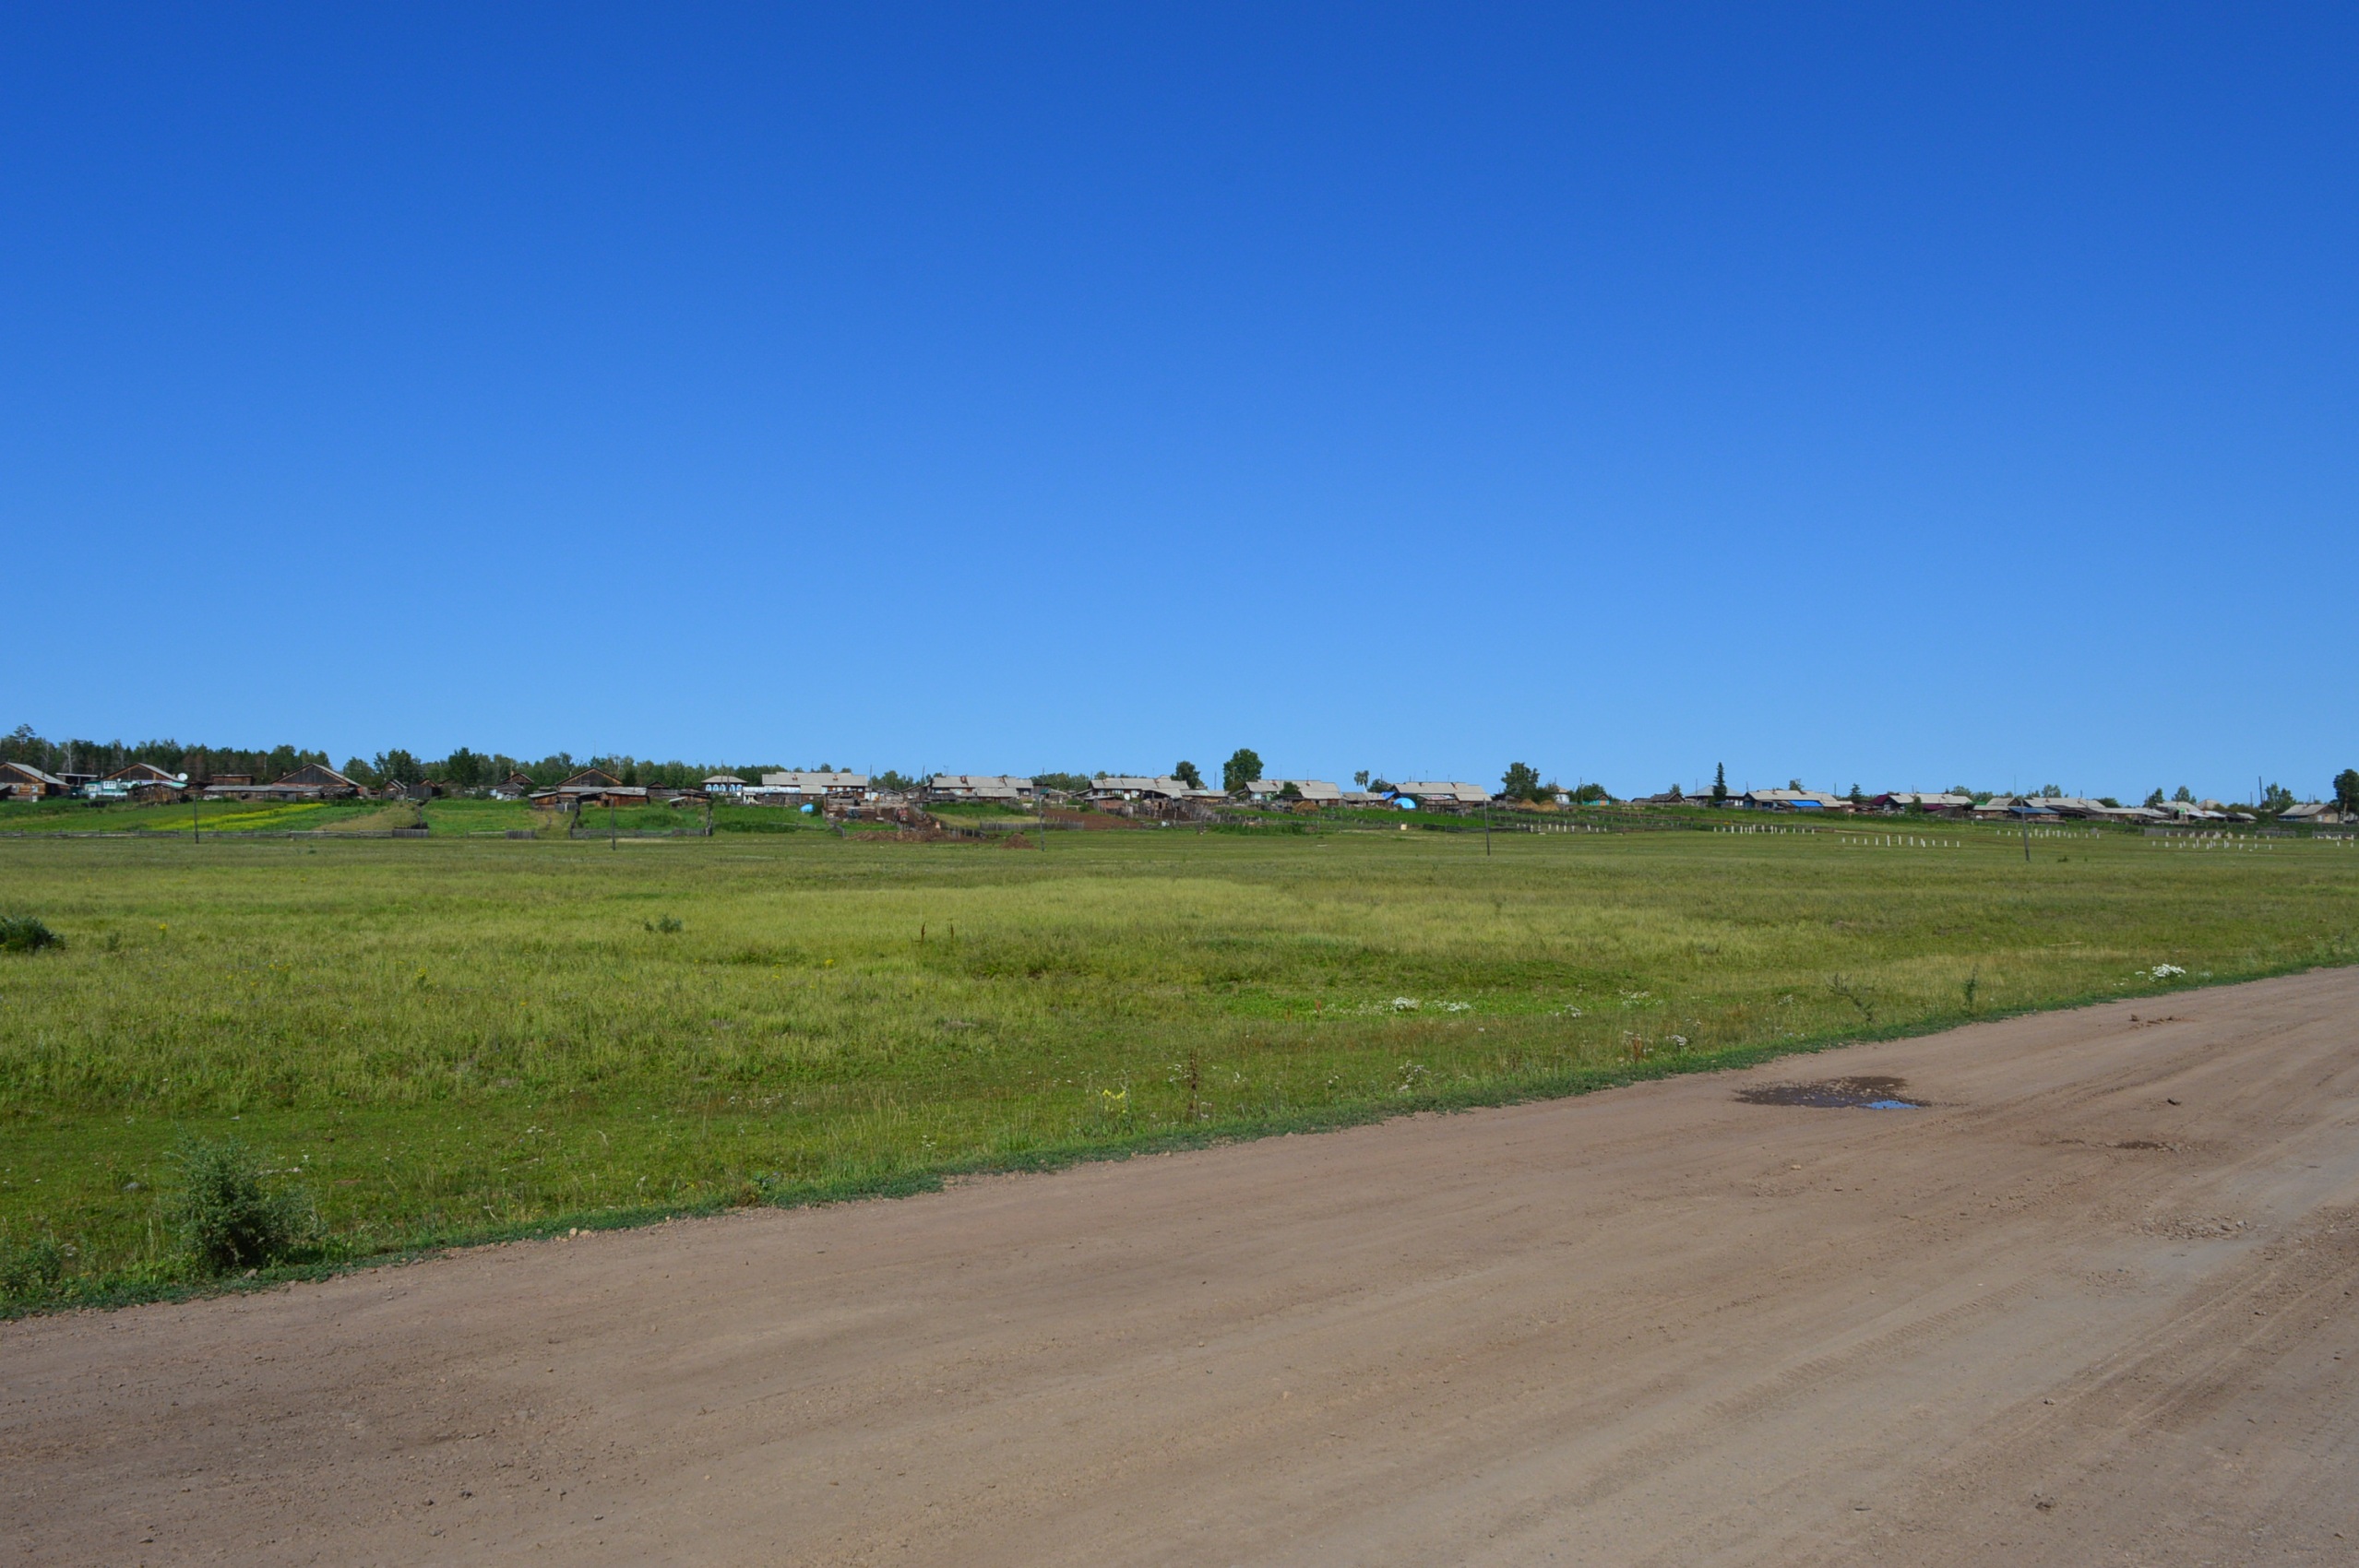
[
  {"x": 808, "y": 781},
  {"x": 1443, "y": 790},
  {"x": 994, "y": 784},
  {"x": 1134, "y": 784},
  {"x": 318, "y": 773},
  {"x": 1309, "y": 788},
  {"x": 1785, "y": 797}
]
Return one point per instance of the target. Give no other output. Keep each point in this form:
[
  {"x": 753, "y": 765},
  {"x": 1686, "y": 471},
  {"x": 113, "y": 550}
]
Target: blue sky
[{"x": 1905, "y": 396}]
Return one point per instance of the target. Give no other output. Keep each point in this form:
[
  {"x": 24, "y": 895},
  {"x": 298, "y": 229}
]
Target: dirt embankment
[{"x": 2080, "y": 1291}]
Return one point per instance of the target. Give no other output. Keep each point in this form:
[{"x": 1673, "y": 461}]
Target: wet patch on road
[{"x": 1871, "y": 1093}]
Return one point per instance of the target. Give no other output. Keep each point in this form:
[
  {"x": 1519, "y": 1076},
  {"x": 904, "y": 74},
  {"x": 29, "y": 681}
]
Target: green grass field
[{"x": 462, "y": 1036}]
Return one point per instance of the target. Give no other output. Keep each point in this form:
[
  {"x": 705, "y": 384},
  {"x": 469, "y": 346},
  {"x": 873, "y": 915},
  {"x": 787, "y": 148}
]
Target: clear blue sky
[{"x": 1896, "y": 395}]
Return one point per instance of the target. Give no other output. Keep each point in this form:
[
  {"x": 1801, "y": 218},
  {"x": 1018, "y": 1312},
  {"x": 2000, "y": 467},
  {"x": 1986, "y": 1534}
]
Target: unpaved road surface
[{"x": 2092, "y": 1306}]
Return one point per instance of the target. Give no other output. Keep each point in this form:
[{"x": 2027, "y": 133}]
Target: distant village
[{"x": 1180, "y": 796}]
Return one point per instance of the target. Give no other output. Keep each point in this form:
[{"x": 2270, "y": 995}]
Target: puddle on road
[{"x": 1873, "y": 1093}]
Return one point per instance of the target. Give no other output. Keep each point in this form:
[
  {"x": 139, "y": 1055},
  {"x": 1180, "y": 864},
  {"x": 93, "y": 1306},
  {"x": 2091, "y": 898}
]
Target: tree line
[
  {"x": 467, "y": 769},
  {"x": 102, "y": 757},
  {"x": 463, "y": 768}
]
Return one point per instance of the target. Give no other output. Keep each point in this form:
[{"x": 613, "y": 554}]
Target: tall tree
[
  {"x": 2346, "y": 791},
  {"x": 1185, "y": 771},
  {"x": 1520, "y": 782},
  {"x": 1720, "y": 782},
  {"x": 1243, "y": 767}
]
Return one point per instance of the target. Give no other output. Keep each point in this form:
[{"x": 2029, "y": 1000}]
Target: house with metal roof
[
  {"x": 320, "y": 777},
  {"x": 23, "y": 781},
  {"x": 840, "y": 788},
  {"x": 1318, "y": 791},
  {"x": 1942, "y": 804},
  {"x": 1005, "y": 789},
  {"x": 144, "y": 773},
  {"x": 1437, "y": 794},
  {"x": 2004, "y": 808},
  {"x": 1115, "y": 786},
  {"x": 1794, "y": 800}
]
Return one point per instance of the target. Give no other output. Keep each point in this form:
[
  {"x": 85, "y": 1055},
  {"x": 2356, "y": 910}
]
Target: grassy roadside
[{"x": 451, "y": 1041}]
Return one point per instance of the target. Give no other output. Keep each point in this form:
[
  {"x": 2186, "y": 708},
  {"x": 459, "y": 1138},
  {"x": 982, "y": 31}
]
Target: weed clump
[
  {"x": 228, "y": 1217},
  {"x": 29, "y": 1270},
  {"x": 22, "y": 934}
]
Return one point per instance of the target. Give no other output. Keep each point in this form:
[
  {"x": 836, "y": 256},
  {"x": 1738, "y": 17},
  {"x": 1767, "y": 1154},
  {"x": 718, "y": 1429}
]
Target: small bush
[
  {"x": 22, "y": 934},
  {"x": 228, "y": 1217},
  {"x": 30, "y": 1269}
]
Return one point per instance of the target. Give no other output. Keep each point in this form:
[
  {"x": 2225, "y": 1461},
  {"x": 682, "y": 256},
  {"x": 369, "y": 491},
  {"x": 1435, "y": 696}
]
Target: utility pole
[
  {"x": 613, "y": 839},
  {"x": 195, "y": 828},
  {"x": 2026, "y": 840},
  {"x": 1486, "y": 829}
]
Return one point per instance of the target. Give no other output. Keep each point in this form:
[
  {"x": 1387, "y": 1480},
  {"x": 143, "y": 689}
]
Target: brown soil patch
[{"x": 1093, "y": 820}]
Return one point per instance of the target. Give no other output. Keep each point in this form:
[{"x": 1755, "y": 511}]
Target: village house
[
  {"x": 140, "y": 781},
  {"x": 1114, "y": 789},
  {"x": 1001, "y": 788},
  {"x": 1316, "y": 791},
  {"x": 1794, "y": 800},
  {"x": 2199, "y": 811},
  {"x": 833, "y": 791},
  {"x": 1943, "y": 805},
  {"x": 23, "y": 781},
  {"x": 1437, "y": 794},
  {"x": 241, "y": 787},
  {"x": 591, "y": 787},
  {"x": 726, "y": 786},
  {"x": 2001, "y": 808},
  {"x": 2312, "y": 814},
  {"x": 318, "y": 776}
]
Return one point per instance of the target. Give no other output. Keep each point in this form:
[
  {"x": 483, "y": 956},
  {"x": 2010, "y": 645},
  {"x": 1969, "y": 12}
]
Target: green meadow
[{"x": 468, "y": 1036}]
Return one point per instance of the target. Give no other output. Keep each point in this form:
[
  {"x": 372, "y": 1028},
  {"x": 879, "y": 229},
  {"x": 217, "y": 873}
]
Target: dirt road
[{"x": 2091, "y": 1304}]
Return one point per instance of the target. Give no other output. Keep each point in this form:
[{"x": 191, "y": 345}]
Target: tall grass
[{"x": 455, "y": 1037}]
